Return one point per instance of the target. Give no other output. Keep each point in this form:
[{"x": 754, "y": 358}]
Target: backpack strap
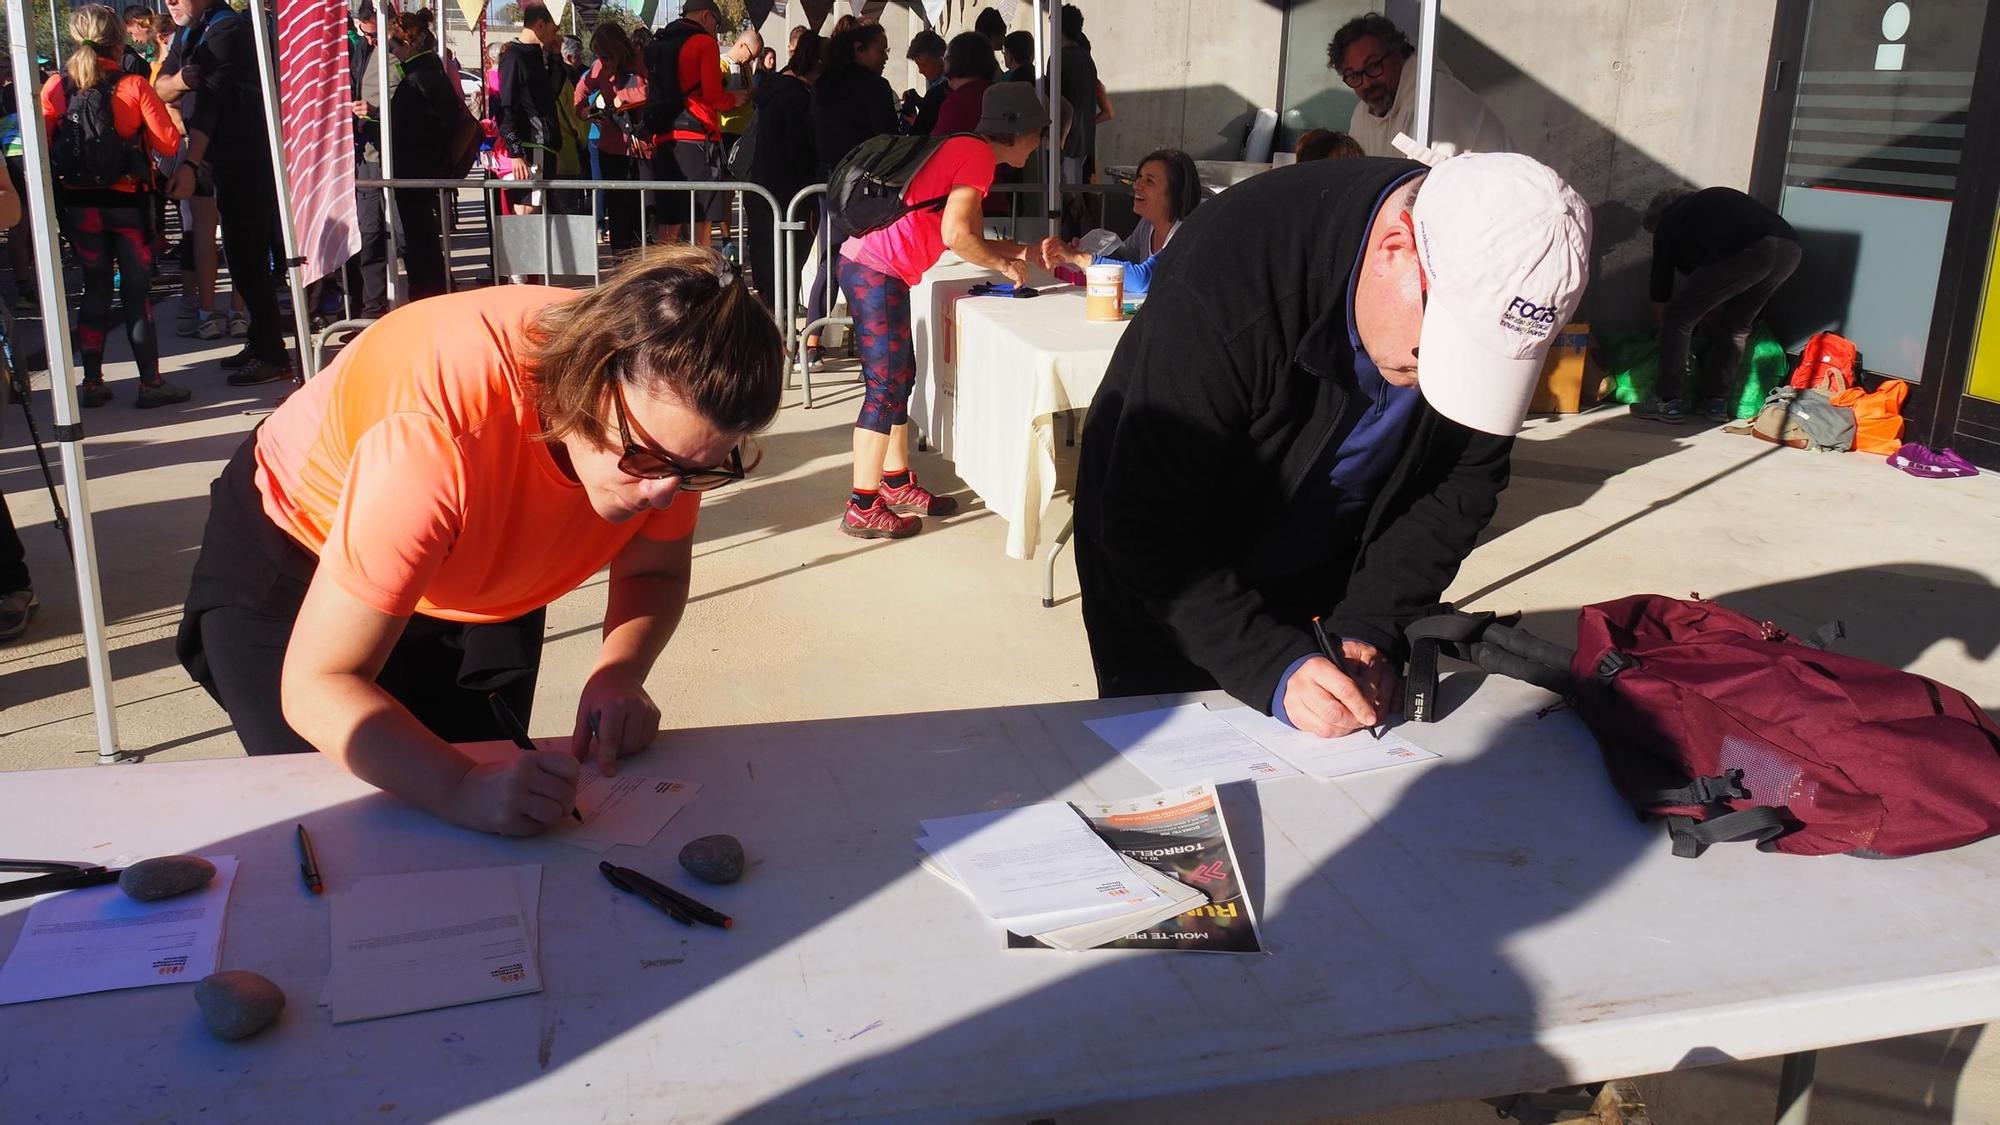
[
  {"x": 1692, "y": 837},
  {"x": 1700, "y": 791}
]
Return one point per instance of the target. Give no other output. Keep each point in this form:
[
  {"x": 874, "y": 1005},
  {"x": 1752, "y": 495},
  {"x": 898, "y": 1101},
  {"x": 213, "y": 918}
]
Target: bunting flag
[
  {"x": 473, "y": 11},
  {"x": 557, "y": 9},
  {"x": 316, "y": 116}
]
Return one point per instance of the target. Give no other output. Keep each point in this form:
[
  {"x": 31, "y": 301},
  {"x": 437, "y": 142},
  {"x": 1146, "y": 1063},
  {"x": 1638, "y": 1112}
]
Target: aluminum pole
[
  {"x": 39, "y": 195},
  {"x": 382, "y": 65},
  {"x": 1426, "y": 68},
  {"x": 1052, "y": 71},
  {"x": 295, "y": 266}
]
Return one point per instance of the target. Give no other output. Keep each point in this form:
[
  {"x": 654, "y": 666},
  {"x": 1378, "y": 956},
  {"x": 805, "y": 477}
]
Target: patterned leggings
[
  {"x": 881, "y": 307},
  {"x": 108, "y": 241}
]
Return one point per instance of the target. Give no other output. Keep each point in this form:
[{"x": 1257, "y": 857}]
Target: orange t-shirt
[{"x": 410, "y": 467}]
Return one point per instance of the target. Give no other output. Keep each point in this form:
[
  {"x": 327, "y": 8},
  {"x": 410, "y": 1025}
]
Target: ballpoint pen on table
[
  {"x": 1326, "y": 648},
  {"x": 309, "y": 863},
  {"x": 504, "y": 715},
  {"x": 617, "y": 876}
]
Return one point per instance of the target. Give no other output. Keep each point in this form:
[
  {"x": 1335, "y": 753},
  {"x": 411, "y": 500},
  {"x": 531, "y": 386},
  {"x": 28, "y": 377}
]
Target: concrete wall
[
  {"x": 1623, "y": 97},
  {"x": 1182, "y": 73}
]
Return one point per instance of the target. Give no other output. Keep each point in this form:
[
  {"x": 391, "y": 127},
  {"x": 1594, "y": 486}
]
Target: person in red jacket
[
  {"x": 688, "y": 148},
  {"x": 110, "y": 224}
]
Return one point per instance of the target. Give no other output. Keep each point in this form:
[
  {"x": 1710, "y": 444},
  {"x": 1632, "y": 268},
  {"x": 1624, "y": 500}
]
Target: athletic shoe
[
  {"x": 1718, "y": 411},
  {"x": 208, "y": 328},
  {"x": 258, "y": 370},
  {"x": 161, "y": 393},
  {"x": 243, "y": 356},
  {"x": 1920, "y": 460},
  {"x": 16, "y": 610},
  {"x": 239, "y": 327},
  {"x": 914, "y": 499},
  {"x": 1654, "y": 410},
  {"x": 93, "y": 394},
  {"x": 876, "y": 521}
]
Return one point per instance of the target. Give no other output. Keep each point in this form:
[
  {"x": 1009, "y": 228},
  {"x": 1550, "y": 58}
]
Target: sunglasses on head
[{"x": 656, "y": 464}]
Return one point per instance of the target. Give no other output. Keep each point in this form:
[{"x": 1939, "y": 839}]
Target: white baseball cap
[{"x": 1504, "y": 245}]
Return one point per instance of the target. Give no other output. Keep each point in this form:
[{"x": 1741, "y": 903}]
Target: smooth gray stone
[
  {"x": 714, "y": 859},
  {"x": 236, "y": 1003},
  {"x": 165, "y": 877}
]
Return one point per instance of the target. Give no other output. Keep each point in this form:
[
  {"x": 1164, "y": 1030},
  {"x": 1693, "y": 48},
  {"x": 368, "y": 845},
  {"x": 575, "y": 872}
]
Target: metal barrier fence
[{"x": 567, "y": 243}]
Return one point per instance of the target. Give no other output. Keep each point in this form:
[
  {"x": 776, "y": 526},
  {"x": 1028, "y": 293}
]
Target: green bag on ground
[{"x": 1633, "y": 361}]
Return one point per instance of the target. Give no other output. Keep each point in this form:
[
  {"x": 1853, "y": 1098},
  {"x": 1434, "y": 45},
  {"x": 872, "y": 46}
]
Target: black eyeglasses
[
  {"x": 1370, "y": 69},
  {"x": 653, "y": 464}
]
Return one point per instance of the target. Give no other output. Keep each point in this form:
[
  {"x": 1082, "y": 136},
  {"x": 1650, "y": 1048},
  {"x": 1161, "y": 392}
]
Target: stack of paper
[
  {"x": 96, "y": 939},
  {"x": 1042, "y": 871},
  {"x": 434, "y": 939},
  {"x": 1190, "y": 744}
]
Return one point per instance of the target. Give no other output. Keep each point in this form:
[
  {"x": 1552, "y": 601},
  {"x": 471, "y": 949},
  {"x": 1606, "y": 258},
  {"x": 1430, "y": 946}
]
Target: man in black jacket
[
  {"x": 1262, "y": 452},
  {"x": 526, "y": 110}
]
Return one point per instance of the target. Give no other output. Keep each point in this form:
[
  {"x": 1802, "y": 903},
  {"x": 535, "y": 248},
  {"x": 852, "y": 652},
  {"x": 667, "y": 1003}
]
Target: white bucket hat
[{"x": 1504, "y": 245}]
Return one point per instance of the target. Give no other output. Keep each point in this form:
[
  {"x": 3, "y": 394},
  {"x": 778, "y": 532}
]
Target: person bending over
[
  {"x": 877, "y": 270},
  {"x": 379, "y": 553},
  {"x": 1312, "y": 419}
]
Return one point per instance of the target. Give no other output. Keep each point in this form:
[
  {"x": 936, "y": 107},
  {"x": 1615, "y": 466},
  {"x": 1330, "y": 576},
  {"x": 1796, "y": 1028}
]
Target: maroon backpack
[{"x": 1731, "y": 729}]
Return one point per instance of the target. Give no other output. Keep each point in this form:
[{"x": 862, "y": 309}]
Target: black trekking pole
[{"x": 19, "y": 382}]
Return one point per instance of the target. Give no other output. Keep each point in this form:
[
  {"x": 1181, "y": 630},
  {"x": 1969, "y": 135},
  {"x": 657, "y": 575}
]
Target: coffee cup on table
[{"x": 1104, "y": 291}]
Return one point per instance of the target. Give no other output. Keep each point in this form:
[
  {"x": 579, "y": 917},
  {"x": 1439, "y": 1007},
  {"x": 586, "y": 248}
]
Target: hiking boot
[
  {"x": 161, "y": 393},
  {"x": 16, "y": 610},
  {"x": 914, "y": 499},
  {"x": 258, "y": 370},
  {"x": 876, "y": 521},
  {"x": 93, "y": 394},
  {"x": 1657, "y": 410}
]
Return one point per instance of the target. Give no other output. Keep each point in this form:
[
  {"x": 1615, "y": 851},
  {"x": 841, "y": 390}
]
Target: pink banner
[{"x": 316, "y": 113}]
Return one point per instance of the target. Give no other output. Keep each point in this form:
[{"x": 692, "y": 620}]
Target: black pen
[
  {"x": 696, "y": 910},
  {"x": 504, "y": 715},
  {"x": 616, "y": 876},
  {"x": 1326, "y": 648},
  {"x": 309, "y": 863}
]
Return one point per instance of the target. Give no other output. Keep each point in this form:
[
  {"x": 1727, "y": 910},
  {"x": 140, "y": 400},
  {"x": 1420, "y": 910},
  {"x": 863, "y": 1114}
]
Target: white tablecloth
[{"x": 1018, "y": 363}]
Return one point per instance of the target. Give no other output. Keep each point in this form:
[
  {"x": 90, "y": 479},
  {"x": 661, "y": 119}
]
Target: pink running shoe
[{"x": 876, "y": 521}]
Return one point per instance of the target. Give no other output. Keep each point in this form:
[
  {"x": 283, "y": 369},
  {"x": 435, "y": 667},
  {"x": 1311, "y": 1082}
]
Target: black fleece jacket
[{"x": 1218, "y": 405}]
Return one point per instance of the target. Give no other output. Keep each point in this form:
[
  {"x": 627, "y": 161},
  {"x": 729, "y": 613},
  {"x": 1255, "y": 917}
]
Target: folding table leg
[
  {"x": 1795, "y": 1084},
  {"x": 1049, "y": 565}
]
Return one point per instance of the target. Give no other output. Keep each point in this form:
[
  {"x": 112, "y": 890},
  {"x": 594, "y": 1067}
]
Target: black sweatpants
[
  {"x": 246, "y": 203},
  {"x": 423, "y": 241},
  {"x": 13, "y": 553},
  {"x": 1727, "y": 296},
  {"x": 367, "y": 273},
  {"x": 249, "y": 582}
]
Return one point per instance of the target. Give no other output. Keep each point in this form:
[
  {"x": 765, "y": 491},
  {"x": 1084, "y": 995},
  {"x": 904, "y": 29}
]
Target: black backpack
[
  {"x": 86, "y": 151},
  {"x": 666, "y": 102},
  {"x": 865, "y": 191}
]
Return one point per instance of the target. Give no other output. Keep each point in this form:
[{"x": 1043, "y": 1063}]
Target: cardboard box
[{"x": 1571, "y": 378}]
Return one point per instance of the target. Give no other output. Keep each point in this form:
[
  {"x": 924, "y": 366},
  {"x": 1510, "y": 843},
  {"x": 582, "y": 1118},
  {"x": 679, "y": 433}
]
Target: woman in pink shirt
[{"x": 877, "y": 270}]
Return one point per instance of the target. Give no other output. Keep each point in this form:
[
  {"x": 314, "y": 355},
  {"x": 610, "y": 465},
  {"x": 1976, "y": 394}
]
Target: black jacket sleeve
[
  {"x": 880, "y": 101},
  {"x": 1429, "y": 528},
  {"x": 227, "y": 73},
  {"x": 1663, "y": 264},
  {"x": 515, "y": 121},
  {"x": 1182, "y": 428}
]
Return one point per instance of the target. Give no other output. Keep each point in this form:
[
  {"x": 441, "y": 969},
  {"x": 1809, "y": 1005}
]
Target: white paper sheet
[
  {"x": 629, "y": 808},
  {"x": 1324, "y": 758},
  {"x": 1188, "y": 745},
  {"x": 1039, "y": 859},
  {"x": 434, "y": 939},
  {"x": 98, "y": 940}
]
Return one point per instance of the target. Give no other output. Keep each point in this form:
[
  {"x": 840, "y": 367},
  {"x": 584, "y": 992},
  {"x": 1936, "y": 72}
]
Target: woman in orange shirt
[
  {"x": 379, "y": 554},
  {"x": 105, "y": 199}
]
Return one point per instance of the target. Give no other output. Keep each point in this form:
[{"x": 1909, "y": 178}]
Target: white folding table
[{"x": 1489, "y": 922}]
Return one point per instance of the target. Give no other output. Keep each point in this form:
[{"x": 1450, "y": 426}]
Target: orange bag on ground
[{"x": 1878, "y": 415}]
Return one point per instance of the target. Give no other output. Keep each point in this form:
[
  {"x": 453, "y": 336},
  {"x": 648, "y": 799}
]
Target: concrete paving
[{"x": 791, "y": 620}]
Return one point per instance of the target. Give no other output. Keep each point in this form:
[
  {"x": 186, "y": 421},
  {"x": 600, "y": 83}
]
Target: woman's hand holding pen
[{"x": 519, "y": 796}]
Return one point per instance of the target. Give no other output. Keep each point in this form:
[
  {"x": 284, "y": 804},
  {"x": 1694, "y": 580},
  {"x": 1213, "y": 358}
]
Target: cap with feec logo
[{"x": 1504, "y": 245}]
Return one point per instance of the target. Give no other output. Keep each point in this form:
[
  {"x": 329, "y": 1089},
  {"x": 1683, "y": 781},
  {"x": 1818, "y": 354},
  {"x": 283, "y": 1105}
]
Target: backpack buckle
[{"x": 1614, "y": 662}]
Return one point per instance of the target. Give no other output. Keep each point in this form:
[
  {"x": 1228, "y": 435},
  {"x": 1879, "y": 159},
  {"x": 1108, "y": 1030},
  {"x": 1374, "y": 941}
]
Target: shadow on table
[{"x": 1416, "y": 881}]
